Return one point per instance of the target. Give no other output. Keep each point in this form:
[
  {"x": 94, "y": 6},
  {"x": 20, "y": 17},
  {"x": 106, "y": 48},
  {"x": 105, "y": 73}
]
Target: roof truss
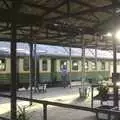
[{"x": 58, "y": 22}]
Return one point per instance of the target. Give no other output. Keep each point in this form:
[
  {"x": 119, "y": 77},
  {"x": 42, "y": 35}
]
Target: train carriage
[{"x": 49, "y": 68}]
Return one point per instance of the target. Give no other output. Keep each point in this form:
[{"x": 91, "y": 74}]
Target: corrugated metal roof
[{"x": 60, "y": 22}]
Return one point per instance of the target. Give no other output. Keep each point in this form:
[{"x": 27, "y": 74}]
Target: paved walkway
[{"x": 59, "y": 94}]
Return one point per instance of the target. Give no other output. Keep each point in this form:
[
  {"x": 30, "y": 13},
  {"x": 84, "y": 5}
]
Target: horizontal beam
[
  {"x": 92, "y": 10},
  {"x": 24, "y": 18},
  {"x": 83, "y": 3},
  {"x": 52, "y": 103},
  {"x": 54, "y": 10},
  {"x": 77, "y": 17}
]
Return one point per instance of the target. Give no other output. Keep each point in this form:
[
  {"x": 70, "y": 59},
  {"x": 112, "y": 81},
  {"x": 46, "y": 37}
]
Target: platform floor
[{"x": 58, "y": 94}]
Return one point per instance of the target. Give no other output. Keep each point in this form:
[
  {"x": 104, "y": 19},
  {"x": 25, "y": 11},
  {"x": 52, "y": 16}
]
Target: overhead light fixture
[
  {"x": 117, "y": 35},
  {"x": 118, "y": 83},
  {"x": 55, "y": 24},
  {"x": 108, "y": 34},
  {"x": 117, "y": 10}
]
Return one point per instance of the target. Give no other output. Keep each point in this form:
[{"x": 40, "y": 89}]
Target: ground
[{"x": 58, "y": 94}]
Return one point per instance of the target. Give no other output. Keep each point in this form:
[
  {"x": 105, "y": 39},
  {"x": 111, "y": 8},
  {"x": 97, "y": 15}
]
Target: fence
[{"x": 46, "y": 103}]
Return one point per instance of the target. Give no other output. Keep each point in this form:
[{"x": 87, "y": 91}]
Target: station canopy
[{"x": 61, "y": 22}]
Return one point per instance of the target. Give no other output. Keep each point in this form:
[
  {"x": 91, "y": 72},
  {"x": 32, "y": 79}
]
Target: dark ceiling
[{"x": 61, "y": 22}]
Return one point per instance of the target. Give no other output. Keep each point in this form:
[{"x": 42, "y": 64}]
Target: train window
[
  {"x": 74, "y": 65},
  {"x": 44, "y": 65},
  {"x": 86, "y": 65},
  {"x": 63, "y": 64},
  {"x": 26, "y": 64},
  {"x": 93, "y": 65},
  {"x": 102, "y": 65},
  {"x": 2, "y": 64}
]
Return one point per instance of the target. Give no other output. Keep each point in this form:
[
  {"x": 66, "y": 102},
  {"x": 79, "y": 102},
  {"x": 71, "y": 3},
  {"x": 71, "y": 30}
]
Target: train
[{"x": 50, "y": 63}]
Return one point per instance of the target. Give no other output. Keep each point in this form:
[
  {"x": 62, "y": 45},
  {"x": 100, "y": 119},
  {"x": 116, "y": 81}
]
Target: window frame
[
  {"x": 26, "y": 63},
  {"x": 102, "y": 68},
  {"x": 86, "y": 66},
  {"x": 3, "y": 69},
  {"x": 61, "y": 66},
  {"x": 46, "y": 67},
  {"x": 76, "y": 65},
  {"x": 93, "y": 65}
]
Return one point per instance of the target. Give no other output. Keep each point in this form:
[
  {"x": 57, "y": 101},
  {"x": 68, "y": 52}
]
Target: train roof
[{"x": 49, "y": 50}]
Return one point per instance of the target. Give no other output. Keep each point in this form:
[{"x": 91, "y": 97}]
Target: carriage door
[{"x": 53, "y": 70}]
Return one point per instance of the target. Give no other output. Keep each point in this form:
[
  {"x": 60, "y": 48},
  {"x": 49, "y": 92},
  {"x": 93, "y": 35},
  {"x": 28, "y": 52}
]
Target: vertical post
[
  {"x": 13, "y": 73},
  {"x": 35, "y": 61},
  {"x": 37, "y": 69},
  {"x": 70, "y": 65},
  {"x": 83, "y": 67},
  {"x": 31, "y": 71},
  {"x": 116, "y": 101},
  {"x": 13, "y": 64},
  {"x": 31, "y": 61},
  {"x": 68, "y": 7},
  {"x": 96, "y": 68},
  {"x": 44, "y": 111},
  {"x": 92, "y": 96}
]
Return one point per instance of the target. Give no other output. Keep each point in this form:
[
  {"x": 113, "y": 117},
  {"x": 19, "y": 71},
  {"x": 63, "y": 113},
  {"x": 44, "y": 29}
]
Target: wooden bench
[{"x": 75, "y": 83}]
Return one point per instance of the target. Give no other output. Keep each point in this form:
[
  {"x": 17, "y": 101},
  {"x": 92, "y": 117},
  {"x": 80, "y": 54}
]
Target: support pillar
[
  {"x": 13, "y": 65},
  {"x": 70, "y": 65},
  {"x": 31, "y": 71},
  {"x": 35, "y": 66},
  {"x": 96, "y": 67},
  {"x": 13, "y": 73},
  {"x": 116, "y": 99},
  {"x": 44, "y": 111},
  {"x": 83, "y": 68}
]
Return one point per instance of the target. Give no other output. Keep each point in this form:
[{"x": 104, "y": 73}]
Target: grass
[{"x": 22, "y": 114}]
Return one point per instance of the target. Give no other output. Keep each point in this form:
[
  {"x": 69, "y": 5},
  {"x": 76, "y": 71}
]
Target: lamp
[{"x": 117, "y": 35}]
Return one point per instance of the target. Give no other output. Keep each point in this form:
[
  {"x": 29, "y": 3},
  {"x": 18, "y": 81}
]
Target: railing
[{"x": 46, "y": 103}]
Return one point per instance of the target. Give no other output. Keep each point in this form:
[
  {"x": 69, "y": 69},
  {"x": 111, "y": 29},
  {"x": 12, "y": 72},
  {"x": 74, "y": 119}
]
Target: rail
[{"x": 46, "y": 103}]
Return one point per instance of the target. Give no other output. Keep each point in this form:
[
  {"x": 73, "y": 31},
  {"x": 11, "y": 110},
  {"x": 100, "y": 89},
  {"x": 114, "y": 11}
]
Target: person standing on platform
[{"x": 64, "y": 75}]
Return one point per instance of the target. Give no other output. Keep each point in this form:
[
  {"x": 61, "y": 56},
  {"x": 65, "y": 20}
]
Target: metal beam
[
  {"x": 6, "y": 4},
  {"x": 103, "y": 22},
  {"x": 31, "y": 71},
  {"x": 14, "y": 9},
  {"x": 66, "y": 14},
  {"x": 31, "y": 61},
  {"x": 116, "y": 98},
  {"x": 83, "y": 3},
  {"x": 22, "y": 18},
  {"x": 83, "y": 67},
  {"x": 53, "y": 9},
  {"x": 63, "y": 13},
  {"x": 68, "y": 7},
  {"x": 92, "y": 10},
  {"x": 28, "y": 19},
  {"x": 13, "y": 64}
]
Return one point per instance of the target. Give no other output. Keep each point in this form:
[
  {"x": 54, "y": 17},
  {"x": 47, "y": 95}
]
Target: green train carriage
[{"x": 49, "y": 70}]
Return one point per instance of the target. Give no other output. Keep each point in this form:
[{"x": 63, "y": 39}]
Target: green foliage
[
  {"x": 103, "y": 90},
  {"x": 21, "y": 114}
]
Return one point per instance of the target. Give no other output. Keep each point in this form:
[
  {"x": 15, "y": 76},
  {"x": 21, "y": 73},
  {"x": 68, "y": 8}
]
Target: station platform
[{"x": 59, "y": 94}]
